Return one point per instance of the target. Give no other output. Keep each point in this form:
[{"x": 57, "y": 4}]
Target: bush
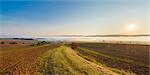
[
  {"x": 2, "y": 43},
  {"x": 74, "y": 46},
  {"x": 42, "y": 43},
  {"x": 32, "y": 45},
  {"x": 12, "y": 42}
]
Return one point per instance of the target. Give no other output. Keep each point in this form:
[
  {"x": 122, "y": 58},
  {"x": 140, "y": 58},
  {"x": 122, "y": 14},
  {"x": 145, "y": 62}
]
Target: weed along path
[{"x": 65, "y": 61}]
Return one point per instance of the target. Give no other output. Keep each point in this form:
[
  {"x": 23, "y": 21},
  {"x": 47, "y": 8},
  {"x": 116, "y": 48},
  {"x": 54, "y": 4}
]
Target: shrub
[
  {"x": 74, "y": 46},
  {"x": 42, "y": 43},
  {"x": 12, "y": 42},
  {"x": 2, "y": 43},
  {"x": 32, "y": 45}
]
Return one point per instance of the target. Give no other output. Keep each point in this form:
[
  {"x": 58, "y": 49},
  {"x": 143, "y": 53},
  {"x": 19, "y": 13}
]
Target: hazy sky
[{"x": 74, "y": 17}]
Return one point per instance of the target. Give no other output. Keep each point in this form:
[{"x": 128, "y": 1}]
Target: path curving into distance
[{"x": 65, "y": 61}]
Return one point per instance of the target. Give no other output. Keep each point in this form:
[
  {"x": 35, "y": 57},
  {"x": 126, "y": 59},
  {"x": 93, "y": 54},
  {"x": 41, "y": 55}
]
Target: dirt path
[{"x": 65, "y": 61}]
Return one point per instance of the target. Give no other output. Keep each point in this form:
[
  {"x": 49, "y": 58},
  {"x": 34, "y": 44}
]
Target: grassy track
[{"x": 65, "y": 61}]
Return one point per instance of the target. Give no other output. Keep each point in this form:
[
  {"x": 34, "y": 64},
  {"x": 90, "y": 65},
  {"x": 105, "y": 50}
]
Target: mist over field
[{"x": 112, "y": 39}]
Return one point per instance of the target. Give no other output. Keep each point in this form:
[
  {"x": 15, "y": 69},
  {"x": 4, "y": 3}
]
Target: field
[
  {"x": 32, "y": 57},
  {"x": 21, "y": 58},
  {"x": 129, "y": 57}
]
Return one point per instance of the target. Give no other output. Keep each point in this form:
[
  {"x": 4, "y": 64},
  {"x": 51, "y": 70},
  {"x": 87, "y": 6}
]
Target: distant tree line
[
  {"x": 41, "y": 43},
  {"x": 9, "y": 42},
  {"x": 23, "y": 38}
]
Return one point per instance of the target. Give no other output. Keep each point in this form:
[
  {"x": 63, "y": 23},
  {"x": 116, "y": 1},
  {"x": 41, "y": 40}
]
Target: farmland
[
  {"x": 34, "y": 57},
  {"x": 129, "y": 57},
  {"x": 21, "y": 58}
]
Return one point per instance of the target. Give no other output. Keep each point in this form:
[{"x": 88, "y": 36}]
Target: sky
[{"x": 99, "y": 17}]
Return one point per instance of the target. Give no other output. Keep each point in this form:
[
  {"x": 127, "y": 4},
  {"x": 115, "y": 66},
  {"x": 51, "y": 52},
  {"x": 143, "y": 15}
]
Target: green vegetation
[
  {"x": 65, "y": 61},
  {"x": 42, "y": 43},
  {"x": 39, "y": 43}
]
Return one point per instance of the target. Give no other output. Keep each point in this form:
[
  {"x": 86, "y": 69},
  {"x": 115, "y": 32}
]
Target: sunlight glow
[{"x": 131, "y": 27}]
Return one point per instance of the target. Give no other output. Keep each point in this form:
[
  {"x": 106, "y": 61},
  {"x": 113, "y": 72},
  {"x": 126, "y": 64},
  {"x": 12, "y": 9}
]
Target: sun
[{"x": 131, "y": 27}]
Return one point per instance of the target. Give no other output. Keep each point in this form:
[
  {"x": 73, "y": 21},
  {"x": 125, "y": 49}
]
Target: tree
[{"x": 74, "y": 46}]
